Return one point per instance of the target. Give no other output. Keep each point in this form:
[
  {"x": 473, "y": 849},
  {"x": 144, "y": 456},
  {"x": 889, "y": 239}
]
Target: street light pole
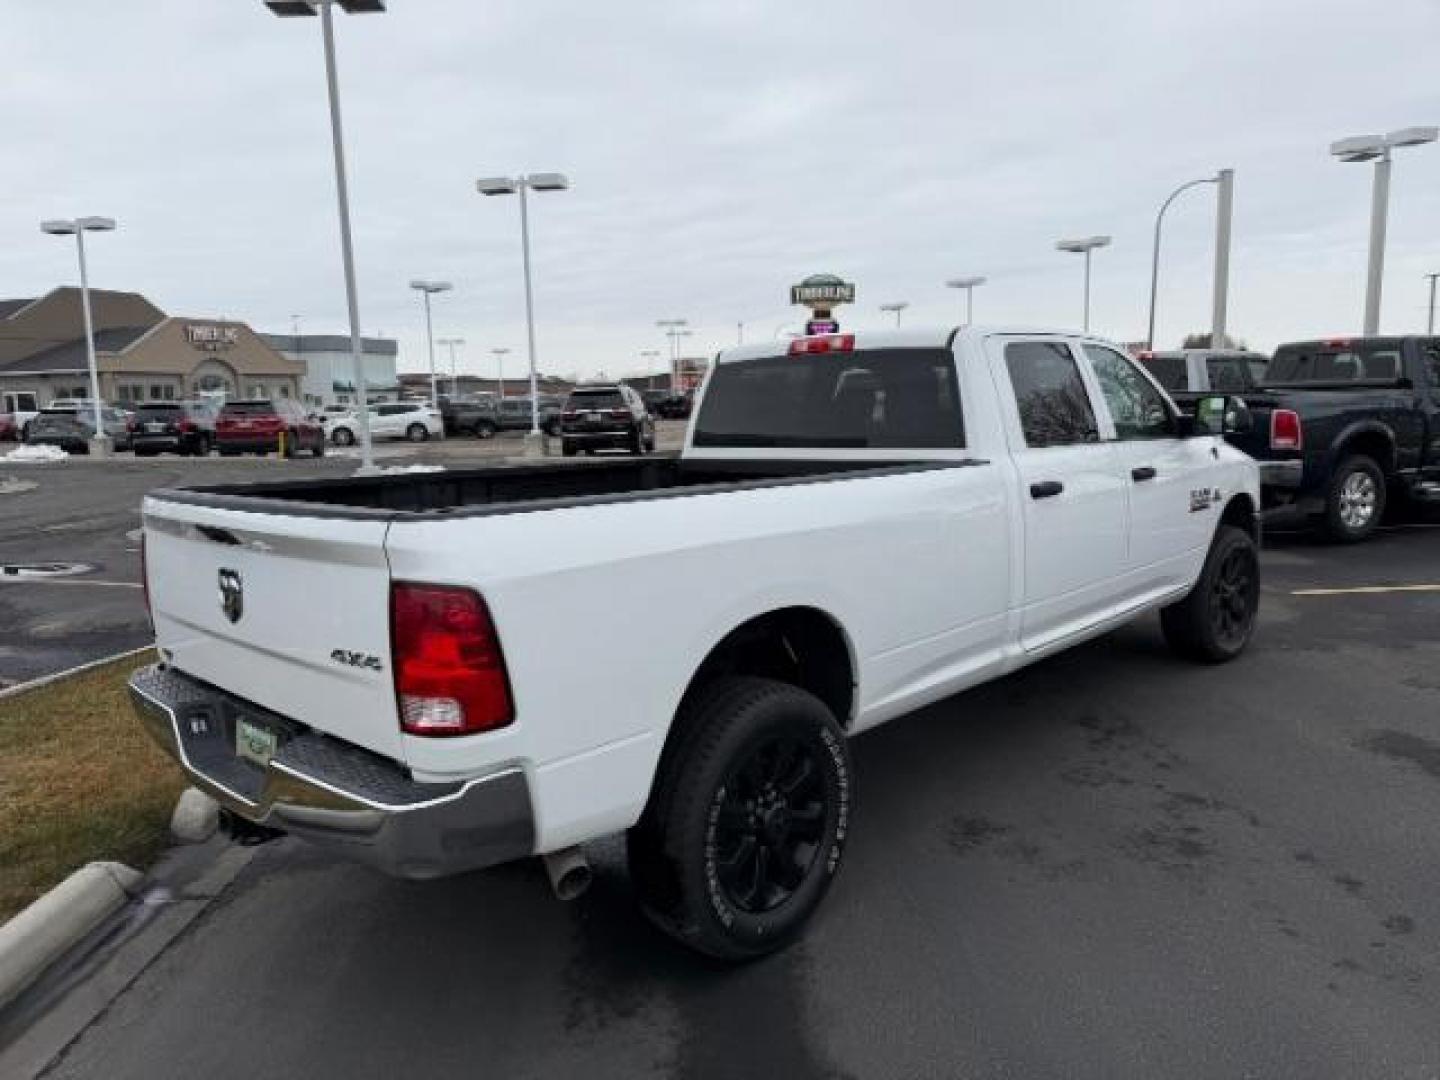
[
  {"x": 968, "y": 284},
  {"x": 450, "y": 343},
  {"x": 78, "y": 227},
  {"x": 1377, "y": 148},
  {"x": 897, "y": 307},
  {"x": 426, "y": 288},
  {"x": 1155, "y": 256},
  {"x": 672, "y": 329},
  {"x": 1430, "y": 324},
  {"x": 505, "y": 185},
  {"x": 499, "y": 355},
  {"x": 1224, "y": 210},
  {"x": 289, "y": 8},
  {"x": 1085, "y": 246}
]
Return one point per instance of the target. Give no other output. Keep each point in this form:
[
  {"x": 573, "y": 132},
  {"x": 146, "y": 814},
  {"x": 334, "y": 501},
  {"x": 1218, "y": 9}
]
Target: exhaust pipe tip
[{"x": 569, "y": 872}]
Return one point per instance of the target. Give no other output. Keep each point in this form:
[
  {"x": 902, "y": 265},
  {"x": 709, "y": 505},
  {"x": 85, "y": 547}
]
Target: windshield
[
  {"x": 248, "y": 408},
  {"x": 871, "y": 398},
  {"x": 1347, "y": 362}
]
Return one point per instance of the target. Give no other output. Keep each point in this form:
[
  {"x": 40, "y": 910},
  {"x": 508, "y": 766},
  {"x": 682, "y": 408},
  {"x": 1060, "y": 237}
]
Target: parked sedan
[
  {"x": 606, "y": 417},
  {"x": 413, "y": 420},
  {"x": 176, "y": 427},
  {"x": 71, "y": 429}
]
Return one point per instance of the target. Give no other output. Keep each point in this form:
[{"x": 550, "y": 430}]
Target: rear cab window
[
  {"x": 1050, "y": 395},
  {"x": 248, "y": 408},
  {"x": 586, "y": 400},
  {"x": 890, "y": 398},
  {"x": 1169, "y": 371},
  {"x": 1329, "y": 362}
]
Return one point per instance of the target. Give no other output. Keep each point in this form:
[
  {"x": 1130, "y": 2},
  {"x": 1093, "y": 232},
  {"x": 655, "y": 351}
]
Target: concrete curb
[
  {"x": 53, "y": 924},
  {"x": 195, "y": 818},
  {"x": 80, "y": 669}
]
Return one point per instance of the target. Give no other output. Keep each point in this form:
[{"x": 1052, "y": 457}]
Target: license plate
[
  {"x": 255, "y": 743},
  {"x": 155, "y": 428}
]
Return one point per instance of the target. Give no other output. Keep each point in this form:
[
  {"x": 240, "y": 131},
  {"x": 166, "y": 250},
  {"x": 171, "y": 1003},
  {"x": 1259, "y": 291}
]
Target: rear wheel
[
  {"x": 567, "y": 448},
  {"x": 343, "y": 436},
  {"x": 319, "y": 450},
  {"x": 1355, "y": 502},
  {"x": 637, "y": 442},
  {"x": 1215, "y": 621},
  {"x": 417, "y": 433},
  {"x": 484, "y": 430},
  {"x": 747, "y": 823}
]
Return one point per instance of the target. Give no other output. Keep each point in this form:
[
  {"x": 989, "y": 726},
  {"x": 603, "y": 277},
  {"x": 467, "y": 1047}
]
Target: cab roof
[{"x": 919, "y": 337}]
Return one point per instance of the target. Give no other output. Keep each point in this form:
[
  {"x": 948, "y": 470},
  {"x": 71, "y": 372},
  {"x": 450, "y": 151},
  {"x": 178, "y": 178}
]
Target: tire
[
  {"x": 290, "y": 446},
  {"x": 342, "y": 436},
  {"x": 637, "y": 442},
  {"x": 484, "y": 430},
  {"x": 1355, "y": 500},
  {"x": 705, "y": 858},
  {"x": 1215, "y": 621},
  {"x": 567, "y": 448},
  {"x": 650, "y": 440},
  {"x": 319, "y": 450},
  {"x": 417, "y": 433}
]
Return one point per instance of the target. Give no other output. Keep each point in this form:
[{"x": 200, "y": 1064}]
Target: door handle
[
  {"x": 1144, "y": 472},
  {"x": 1044, "y": 489}
]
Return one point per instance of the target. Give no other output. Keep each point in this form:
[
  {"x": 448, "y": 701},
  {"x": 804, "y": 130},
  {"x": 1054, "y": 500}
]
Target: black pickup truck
[{"x": 1341, "y": 425}]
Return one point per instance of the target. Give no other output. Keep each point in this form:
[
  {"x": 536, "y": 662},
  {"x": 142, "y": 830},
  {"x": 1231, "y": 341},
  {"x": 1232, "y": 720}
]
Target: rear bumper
[
  {"x": 248, "y": 444},
  {"x": 332, "y": 793},
  {"x": 618, "y": 437},
  {"x": 1282, "y": 474}
]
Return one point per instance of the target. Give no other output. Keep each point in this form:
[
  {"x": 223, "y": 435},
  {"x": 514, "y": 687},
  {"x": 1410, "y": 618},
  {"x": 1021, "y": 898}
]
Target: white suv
[{"x": 413, "y": 420}]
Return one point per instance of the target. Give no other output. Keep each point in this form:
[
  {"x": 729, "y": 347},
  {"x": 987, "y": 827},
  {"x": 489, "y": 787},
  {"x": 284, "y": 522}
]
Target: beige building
[{"x": 141, "y": 353}]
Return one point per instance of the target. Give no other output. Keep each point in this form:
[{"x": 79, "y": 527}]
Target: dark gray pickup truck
[{"x": 1341, "y": 425}]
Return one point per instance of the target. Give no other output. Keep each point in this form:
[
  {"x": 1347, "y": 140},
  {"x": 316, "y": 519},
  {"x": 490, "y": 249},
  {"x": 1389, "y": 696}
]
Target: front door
[
  {"x": 1073, "y": 503},
  {"x": 1172, "y": 506}
]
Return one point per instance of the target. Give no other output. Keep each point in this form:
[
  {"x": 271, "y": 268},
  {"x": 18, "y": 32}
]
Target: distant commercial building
[
  {"x": 415, "y": 384},
  {"x": 330, "y": 369},
  {"x": 142, "y": 354}
]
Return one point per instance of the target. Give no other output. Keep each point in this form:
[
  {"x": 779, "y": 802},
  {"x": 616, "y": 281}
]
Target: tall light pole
[
  {"x": 428, "y": 289},
  {"x": 499, "y": 355},
  {"x": 672, "y": 328},
  {"x": 648, "y": 358},
  {"x": 505, "y": 185},
  {"x": 1155, "y": 255},
  {"x": 897, "y": 307},
  {"x": 1430, "y": 324},
  {"x": 1377, "y": 148},
  {"x": 450, "y": 343},
  {"x": 968, "y": 284},
  {"x": 1086, "y": 246},
  {"x": 78, "y": 227},
  {"x": 292, "y": 8}
]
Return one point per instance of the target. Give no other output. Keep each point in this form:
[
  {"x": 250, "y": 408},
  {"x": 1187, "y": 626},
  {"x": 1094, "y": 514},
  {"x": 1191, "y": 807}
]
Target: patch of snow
[
  {"x": 393, "y": 470},
  {"x": 35, "y": 455}
]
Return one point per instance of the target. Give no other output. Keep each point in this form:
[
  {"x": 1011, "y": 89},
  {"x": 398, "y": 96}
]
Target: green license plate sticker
[{"x": 254, "y": 742}]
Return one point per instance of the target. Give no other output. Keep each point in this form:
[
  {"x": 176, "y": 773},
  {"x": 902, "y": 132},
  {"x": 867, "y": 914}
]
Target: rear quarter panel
[{"x": 605, "y": 612}]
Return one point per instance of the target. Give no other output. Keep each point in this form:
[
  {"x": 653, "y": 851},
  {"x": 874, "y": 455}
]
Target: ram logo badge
[
  {"x": 1204, "y": 498},
  {"x": 357, "y": 660}
]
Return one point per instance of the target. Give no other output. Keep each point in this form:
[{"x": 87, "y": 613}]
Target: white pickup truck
[{"x": 441, "y": 672}]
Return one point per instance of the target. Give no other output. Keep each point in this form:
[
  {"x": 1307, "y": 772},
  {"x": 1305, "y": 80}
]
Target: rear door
[
  {"x": 289, "y": 612},
  {"x": 1167, "y": 478},
  {"x": 1073, "y": 502}
]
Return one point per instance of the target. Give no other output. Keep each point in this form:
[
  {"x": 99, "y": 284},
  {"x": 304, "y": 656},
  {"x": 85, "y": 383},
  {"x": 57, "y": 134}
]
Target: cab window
[
  {"x": 1054, "y": 406},
  {"x": 1136, "y": 406}
]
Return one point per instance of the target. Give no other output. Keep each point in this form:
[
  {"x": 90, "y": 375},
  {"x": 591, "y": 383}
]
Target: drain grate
[{"x": 31, "y": 571}]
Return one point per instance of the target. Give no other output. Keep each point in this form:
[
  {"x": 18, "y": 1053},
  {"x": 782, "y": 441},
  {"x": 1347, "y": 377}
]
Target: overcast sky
[{"x": 720, "y": 150}]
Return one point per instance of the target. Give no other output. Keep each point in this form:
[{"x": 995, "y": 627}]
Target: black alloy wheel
[{"x": 1216, "y": 619}]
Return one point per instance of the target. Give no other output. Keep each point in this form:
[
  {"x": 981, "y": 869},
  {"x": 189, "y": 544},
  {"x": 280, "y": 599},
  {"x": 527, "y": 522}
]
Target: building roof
[
  {"x": 10, "y": 307},
  {"x": 303, "y": 343},
  {"x": 71, "y": 355}
]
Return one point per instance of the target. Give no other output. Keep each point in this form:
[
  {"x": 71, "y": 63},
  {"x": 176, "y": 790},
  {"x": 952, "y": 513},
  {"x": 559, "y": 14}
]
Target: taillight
[
  {"x": 131, "y": 426},
  {"x": 1285, "y": 430},
  {"x": 187, "y": 426},
  {"x": 826, "y": 343},
  {"x": 620, "y": 414},
  {"x": 449, "y": 671}
]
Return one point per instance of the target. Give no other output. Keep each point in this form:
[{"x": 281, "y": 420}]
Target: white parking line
[{"x": 1366, "y": 590}]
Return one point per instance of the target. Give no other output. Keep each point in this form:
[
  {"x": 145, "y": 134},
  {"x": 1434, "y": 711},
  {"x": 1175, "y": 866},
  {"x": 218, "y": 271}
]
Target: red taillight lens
[
  {"x": 131, "y": 426},
  {"x": 1285, "y": 430},
  {"x": 620, "y": 414},
  {"x": 187, "y": 426},
  {"x": 826, "y": 343},
  {"x": 449, "y": 671}
]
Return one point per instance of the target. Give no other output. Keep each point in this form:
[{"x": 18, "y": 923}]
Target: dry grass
[{"x": 79, "y": 781}]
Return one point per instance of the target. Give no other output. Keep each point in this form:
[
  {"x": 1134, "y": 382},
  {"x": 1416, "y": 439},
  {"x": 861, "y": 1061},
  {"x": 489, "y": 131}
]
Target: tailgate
[{"x": 290, "y": 612}]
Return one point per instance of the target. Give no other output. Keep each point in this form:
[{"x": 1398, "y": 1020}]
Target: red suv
[{"x": 256, "y": 427}]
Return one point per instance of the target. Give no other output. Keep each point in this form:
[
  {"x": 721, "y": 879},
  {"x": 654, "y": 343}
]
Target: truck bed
[{"x": 524, "y": 488}]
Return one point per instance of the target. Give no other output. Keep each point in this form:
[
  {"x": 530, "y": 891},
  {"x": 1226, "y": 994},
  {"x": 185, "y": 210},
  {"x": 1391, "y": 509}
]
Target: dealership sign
[
  {"x": 212, "y": 337},
  {"x": 822, "y": 291}
]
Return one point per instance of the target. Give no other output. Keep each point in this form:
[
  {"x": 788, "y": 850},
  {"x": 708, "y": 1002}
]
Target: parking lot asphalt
[
  {"x": 87, "y": 512},
  {"x": 1112, "y": 864}
]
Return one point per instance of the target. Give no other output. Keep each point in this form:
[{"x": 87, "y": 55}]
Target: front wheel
[
  {"x": 484, "y": 430},
  {"x": 1355, "y": 501},
  {"x": 1214, "y": 622},
  {"x": 343, "y": 437},
  {"x": 637, "y": 442},
  {"x": 747, "y": 824},
  {"x": 417, "y": 433}
]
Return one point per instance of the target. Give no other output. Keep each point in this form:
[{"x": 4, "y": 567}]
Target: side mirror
[{"x": 1217, "y": 415}]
